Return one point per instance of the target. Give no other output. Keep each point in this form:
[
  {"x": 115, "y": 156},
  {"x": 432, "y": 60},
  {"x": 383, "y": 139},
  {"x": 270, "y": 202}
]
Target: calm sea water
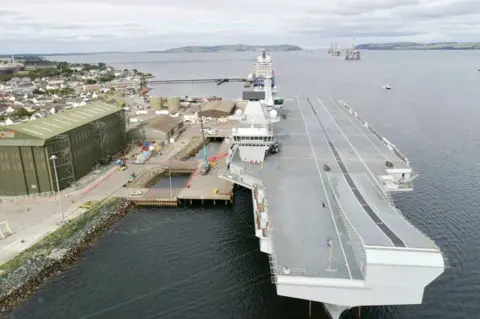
[{"x": 204, "y": 262}]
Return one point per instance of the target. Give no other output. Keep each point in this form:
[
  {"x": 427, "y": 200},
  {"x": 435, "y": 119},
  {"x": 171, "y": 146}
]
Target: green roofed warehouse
[{"x": 80, "y": 138}]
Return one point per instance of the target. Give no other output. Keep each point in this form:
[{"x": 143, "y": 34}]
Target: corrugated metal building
[
  {"x": 217, "y": 109},
  {"x": 160, "y": 128},
  {"x": 80, "y": 138}
]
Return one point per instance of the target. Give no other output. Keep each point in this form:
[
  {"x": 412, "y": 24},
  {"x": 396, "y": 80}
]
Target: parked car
[
  {"x": 326, "y": 168},
  {"x": 136, "y": 193},
  {"x": 88, "y": 204}
]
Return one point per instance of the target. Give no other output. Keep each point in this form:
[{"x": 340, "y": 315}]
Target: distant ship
[{"x": 262, "y": 68}]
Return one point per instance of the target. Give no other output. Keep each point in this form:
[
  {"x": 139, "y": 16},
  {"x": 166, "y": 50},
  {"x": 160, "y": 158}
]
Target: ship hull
[{"x": 335, "y": 311}]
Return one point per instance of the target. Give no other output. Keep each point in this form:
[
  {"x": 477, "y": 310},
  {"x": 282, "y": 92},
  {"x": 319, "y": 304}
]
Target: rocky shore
[{"x": 26, "y": 272}]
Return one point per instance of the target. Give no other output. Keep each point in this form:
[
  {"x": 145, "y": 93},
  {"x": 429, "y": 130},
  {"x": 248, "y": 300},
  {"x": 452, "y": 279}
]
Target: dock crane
[{"x": 205, "y": 168}]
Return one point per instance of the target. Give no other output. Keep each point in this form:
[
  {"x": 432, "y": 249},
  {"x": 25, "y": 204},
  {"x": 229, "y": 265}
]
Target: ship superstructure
[
  {"x": 321, "y": 183},
  {"x": 263, "y": 67},
  {"x": 353, "y": 53}
]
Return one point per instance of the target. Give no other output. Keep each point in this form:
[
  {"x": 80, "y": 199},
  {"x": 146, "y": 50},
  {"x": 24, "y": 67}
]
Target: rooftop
[
  {"x": 37, "y": 131},
  {"x": 225, "y": 106},
  {"x": 164, "y": 123}
]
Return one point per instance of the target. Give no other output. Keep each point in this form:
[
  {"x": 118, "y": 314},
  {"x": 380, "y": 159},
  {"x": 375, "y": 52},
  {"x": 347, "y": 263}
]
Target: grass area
[{"x": 57, "y": 238}]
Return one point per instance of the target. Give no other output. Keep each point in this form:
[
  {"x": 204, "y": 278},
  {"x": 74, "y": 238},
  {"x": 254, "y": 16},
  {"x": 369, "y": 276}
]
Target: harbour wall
[{"x": 22, "y": 275}]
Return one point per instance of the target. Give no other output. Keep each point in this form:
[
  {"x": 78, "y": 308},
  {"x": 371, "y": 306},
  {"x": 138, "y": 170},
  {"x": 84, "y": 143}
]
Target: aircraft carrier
[{"x": 321, "y": 179}]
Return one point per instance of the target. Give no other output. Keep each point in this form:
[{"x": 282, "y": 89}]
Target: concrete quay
[
  {"x": 199, "y": 188},
  {"x": 33, "y": 218}
]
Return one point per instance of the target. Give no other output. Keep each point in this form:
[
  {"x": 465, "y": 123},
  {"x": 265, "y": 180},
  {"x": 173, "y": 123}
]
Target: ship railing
[
  {"x": 356, "y": 242},
  {"x": 396, "y": 151},
  {"x": 269, "y": 235}
]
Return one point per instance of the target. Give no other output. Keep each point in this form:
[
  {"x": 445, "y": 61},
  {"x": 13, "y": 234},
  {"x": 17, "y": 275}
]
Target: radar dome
[
  {"x": 273, "y": 114},
  {"x": 238, "y": 112}
]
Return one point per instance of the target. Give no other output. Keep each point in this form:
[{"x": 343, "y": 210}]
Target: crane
[{"x": 206, "y": 164}]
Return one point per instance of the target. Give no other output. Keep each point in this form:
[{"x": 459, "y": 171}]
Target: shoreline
[
  {"x": 22, "y": 275},
  {"x": 27, "y": 271}
]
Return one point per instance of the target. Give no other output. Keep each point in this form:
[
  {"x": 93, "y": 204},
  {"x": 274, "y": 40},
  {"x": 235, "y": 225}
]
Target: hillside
[
  {"x": 420, "y": 46},
  {"x": 231, "y": 48},
  {"x": 187, "y": 49}
]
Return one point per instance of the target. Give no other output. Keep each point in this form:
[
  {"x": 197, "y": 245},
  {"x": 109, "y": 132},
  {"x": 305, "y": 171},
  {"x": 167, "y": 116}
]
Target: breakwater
[{"x": 23, "y": 274}]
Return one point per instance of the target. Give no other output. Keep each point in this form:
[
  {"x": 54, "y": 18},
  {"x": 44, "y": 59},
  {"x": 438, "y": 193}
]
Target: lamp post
[
  {"x": 170, "y": 180},
  {"x": 53, "y": 158}
]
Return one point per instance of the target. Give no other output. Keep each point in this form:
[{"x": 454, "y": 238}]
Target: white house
[{"x": 9, "y": 110}]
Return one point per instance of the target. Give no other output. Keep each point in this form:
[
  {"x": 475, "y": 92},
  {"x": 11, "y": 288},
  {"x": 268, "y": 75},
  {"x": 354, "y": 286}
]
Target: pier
[
  {"x": 219, "y": 81},
  {"x": 201, "y": 189}
]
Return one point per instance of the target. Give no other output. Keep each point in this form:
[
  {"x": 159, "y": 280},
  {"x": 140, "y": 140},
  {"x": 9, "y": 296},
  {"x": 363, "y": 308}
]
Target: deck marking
[
  {"x": 326, "y": 195},
  {"x": 356, "y": 126},
  {"x": 405, "y": 218},
  {"x": 397, "y": 241}
]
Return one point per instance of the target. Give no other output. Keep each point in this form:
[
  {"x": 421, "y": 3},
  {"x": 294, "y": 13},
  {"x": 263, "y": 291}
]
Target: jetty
[
  {"x": 199, "y": 188},
  {"x": 219, "y": 81}
]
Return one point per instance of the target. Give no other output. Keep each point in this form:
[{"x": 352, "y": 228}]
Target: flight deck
[{"x": 309, "y": 205}]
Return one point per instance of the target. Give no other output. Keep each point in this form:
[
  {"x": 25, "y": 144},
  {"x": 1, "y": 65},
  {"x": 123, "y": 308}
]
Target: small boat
[{"x": 387, "y": 87}]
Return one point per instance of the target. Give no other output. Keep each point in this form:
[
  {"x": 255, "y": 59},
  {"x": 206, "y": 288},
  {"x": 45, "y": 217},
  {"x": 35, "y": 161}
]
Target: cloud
[
  {"x": 104, "y": 25},
  {"x": 353, "y": 7},
  {"x": 6, "y": 12}
]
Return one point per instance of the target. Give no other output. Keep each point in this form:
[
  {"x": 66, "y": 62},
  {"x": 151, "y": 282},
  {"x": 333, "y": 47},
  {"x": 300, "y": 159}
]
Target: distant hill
[
  {"x": 231, "y": 48},
  {"x": 420, "y": 46},
  {"x": 188, "y": 49}
]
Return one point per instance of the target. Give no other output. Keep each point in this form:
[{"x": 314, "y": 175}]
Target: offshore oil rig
[
  {"x": 334, "y": 51},
  {"x": 353, "y": 53}
]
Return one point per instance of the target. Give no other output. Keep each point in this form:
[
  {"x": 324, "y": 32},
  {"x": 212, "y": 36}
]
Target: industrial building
[
  {"x": 80, "y": 138},
  {"x": 161, "y": 128},
  {"x": 217, "y": 109}
]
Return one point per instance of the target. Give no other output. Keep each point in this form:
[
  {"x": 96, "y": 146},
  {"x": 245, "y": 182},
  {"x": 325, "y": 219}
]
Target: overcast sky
[{"x": 30, "y": 26}]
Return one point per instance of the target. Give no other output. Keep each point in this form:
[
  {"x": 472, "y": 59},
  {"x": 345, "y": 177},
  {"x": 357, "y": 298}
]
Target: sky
[{"x": 61, "y": 26}]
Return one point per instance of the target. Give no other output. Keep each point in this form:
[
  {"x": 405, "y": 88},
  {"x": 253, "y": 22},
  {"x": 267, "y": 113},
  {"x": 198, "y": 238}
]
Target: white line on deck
[
  {"x": 358, "y": 129},
  {"x": 325, "y": 189},
  {"x": 365, "y": 167},
  {"x": 340, "y": 204},
  {"x": 349, "y": 143}
]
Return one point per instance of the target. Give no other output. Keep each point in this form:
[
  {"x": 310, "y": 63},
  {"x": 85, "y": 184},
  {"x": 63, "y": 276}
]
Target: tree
[
  {"x": 102, "y": 66},
  {"x": 5, "y": 77},
  {"x": 37, "y": 91},
  {"x": 91, "y": 81},
  {"x": 21, "y": 112}
]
